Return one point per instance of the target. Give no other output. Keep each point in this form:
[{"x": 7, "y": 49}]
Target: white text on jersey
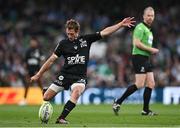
[{"x": 76, "y": 59}]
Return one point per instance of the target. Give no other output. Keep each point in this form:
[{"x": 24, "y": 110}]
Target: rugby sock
[
  {"x": 147, "y": 96},
  {"x": 131, "y": 89},
  {"x": 67, "y": 109}
]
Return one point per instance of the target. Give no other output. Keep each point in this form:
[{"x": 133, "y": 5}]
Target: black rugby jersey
[
  {"x": 33, "y": 58},
  {"x": 76, "y": 53}
]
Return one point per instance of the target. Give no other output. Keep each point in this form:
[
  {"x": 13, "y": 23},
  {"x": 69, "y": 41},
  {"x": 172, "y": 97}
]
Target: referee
[{"x": 142, "y": 49}]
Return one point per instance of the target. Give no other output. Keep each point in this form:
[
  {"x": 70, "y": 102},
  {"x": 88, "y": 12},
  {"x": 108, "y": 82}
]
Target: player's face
[
  {"x": 34, "y": 43},
  {"x": 71, "y": 33},
  {"x": 148, "y": 17}
]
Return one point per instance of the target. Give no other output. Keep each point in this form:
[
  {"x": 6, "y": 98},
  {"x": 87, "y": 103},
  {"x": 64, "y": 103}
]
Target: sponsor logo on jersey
[
  {"x": 150, "y": 39},
  {"x": 76, "y": 59},
  {"x": 36, "y": 53},
  {"x": 75, "y": 47},
  {"x": 83, "y": 43},
  {"x": 59, "y": 82},
  {"x": 61, "y": 77},
  {"x": 142, "y": 69},
  {"x": 82, "y": 81}
]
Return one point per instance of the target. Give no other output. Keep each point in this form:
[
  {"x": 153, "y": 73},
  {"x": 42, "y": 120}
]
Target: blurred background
[{"x": 110, "y": 59}]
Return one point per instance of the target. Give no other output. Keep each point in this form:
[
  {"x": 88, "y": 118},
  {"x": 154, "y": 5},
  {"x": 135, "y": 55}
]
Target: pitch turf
[{"x": 92, "y": 116}]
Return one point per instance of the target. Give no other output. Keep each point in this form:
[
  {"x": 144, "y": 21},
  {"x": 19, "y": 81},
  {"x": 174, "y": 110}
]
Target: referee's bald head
[
  {"x": 148, "y": 16},
  {"x": 148, "y": 9}
]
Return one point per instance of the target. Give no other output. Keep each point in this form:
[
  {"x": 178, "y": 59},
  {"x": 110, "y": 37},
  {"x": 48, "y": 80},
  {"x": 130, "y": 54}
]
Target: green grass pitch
[{"x": 92, "y": 116}]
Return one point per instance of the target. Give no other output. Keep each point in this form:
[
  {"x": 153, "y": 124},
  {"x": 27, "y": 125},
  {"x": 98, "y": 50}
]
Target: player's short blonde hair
[{"x": 72, "y": 24}]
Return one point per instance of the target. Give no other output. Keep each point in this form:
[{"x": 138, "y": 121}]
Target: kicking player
[{"x": 75, "y": 50}]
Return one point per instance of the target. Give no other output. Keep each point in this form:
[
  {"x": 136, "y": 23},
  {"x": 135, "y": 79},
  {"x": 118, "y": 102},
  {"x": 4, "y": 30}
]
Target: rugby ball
[{"x": 45, "y": 112}]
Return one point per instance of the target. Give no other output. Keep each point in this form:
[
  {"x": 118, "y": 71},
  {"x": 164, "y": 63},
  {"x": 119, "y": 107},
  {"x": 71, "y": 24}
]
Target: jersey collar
[
  {"x": 73, "y": 41},
  {"x": 146, "y": 25}
]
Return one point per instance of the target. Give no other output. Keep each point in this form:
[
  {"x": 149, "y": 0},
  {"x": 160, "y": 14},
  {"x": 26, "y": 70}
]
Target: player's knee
[
  {"x": 46, "y": 97},
  {"x": 76, "y": 94},
  {"x": 139, "y": 84},
  {"x": 151, "y": 84}
]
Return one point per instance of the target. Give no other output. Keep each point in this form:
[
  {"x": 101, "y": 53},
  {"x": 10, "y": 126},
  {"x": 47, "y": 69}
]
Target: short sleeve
[
  {"x": 59, "y": 49},
  {"x": 93, "y": 37},
  {"x": 138, "y": 32}
]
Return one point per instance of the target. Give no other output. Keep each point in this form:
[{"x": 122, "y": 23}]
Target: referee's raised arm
[{"x": 126, "y": 22}]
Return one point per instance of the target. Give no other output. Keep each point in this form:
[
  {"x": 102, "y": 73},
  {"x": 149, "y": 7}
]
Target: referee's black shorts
[{"x": 141, "y": 64}]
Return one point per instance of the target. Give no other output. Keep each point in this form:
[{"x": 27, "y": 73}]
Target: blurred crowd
[{"x": 110, "y": 59}]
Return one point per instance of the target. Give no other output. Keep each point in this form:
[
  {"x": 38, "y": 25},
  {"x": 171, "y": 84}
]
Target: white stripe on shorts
[{"x": 56, "y": 88}]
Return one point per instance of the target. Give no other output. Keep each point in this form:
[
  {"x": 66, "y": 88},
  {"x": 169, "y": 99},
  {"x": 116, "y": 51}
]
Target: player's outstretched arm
[
  {"x": 45, "y": 67},
  {"x": 126, "y": 22}
]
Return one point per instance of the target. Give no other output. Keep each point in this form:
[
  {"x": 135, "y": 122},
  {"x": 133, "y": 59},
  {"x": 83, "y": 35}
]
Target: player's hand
[
  {"x": 128, "y": 22},
  {"x": 35, "y": 78},
  {"x": 154, "y": 50}
]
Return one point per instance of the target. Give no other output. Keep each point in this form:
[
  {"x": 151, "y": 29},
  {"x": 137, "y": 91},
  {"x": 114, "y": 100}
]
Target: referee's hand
[{"x": 154, "y": 50}]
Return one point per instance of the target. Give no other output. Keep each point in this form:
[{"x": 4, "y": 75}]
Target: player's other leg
[
  {"x": 50, "y": 93},
  {"x": 77, "y": 89},
  {"x": 43, "y": 89},
  {"x": 139, "y": 83},
  {"x": 147, "y": 94}
]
